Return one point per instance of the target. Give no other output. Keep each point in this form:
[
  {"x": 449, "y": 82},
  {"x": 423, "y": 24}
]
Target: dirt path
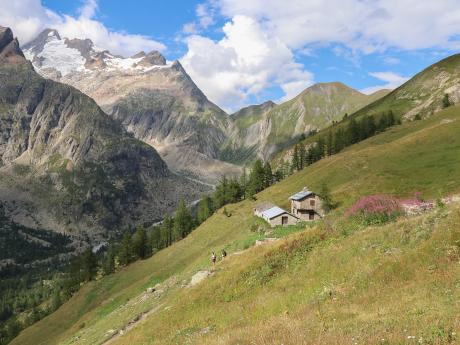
[
  {"x": 131, "y": 324},
  {"x": 194, "y": 180}
]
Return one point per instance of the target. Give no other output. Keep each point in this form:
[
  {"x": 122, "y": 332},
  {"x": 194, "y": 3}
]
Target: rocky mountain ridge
[
  {"x": 67, "y": 166},
  {"x": 154, "y": 99},
  {"x": 159, "y": 103}
]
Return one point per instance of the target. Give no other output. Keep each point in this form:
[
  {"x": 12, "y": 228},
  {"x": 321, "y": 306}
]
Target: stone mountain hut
[
  {"x": 275, "y": 215},
  {"x": 306, "y": 205}
]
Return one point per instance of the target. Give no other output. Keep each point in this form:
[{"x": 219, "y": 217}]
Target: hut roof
[
  {"x": 273, "y": 212},
  {"x": 301, "y": 195}
]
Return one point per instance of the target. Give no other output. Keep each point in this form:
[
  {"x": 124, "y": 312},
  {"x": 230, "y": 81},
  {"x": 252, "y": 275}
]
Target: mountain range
[
  {"x": 95, "y": 158},
  {"x": 159, "y": 103},
  {"x": 67, "y": 166},
  {"x": 156, "y": 101},
  {"x": 92, "y": 143}
]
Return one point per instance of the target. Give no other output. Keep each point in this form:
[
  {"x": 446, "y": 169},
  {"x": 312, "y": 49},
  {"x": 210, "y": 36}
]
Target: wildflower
[{"x": 375, "y": 208}]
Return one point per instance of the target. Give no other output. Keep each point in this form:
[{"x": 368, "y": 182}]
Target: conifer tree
[
  {"x": 268, "y": 175},
  {"x": 243, "y": 183},
  {"x": 182, "y": 221},
  {"x": 141, "y": 248},
  {"x": 125, "y": 252},
  {"x": 391, "y": 120},
  {"x": 319, "y": 149},
  {"x": 109, "y": 261},
  {"x": 155, "y": 239},
  {"x": 204, "y": 209},
  {"x": 353, "y": 131},
  {"x": 446, "y": 101},
  {"x": 256, "y": 178},
  {"x": 330, "y": 149},
  {"x": 302, "y": 156},
  {"x": 219, "y": 196},
  {"x": 166, "y": 231},
  {"x": 56, "y": 301},
  {"x": 89, "y": 265},
  {"x": 295, "y": 159},
  {"x": 324, "y": 193},
  {"x": 279, "y": 174}
]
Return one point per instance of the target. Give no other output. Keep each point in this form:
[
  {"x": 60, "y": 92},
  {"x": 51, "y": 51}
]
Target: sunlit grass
[{"x": 327, "y": 284}]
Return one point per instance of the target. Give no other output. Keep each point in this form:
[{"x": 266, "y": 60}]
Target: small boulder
[{"x": 199, "y": 277}]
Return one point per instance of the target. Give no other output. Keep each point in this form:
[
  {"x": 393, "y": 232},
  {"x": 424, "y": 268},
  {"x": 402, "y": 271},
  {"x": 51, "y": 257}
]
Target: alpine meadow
[{"x": 229, "y": 172}]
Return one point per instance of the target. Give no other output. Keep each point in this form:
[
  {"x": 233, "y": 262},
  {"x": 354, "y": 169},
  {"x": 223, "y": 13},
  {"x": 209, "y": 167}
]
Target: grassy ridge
[
  {"x": 427, "y": 87},
  {"x": 418, "y": 156}
]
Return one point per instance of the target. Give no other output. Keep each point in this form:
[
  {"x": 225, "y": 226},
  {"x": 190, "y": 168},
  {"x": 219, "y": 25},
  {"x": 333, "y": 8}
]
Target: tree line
[{"x": 335, "y": 141}]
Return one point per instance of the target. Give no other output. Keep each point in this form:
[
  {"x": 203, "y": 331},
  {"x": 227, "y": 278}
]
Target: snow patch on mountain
[
  {"x": 51, "y": 52},
  {"x": 56, "y": 54}
]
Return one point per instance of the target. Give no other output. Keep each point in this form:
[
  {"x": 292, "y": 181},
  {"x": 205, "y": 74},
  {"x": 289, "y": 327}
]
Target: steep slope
[
  {"x": 266, "y": 129},
  {"x": 423, "y": 94},
  {"x": 155, "y": 100},
  {"x": 420, "y": 97},
  {"x": 332, "y": 284},
  {"x": 67, "y": 166}
]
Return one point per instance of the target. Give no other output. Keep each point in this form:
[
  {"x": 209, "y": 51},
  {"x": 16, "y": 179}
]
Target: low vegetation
[{"x": 340, "y": 279}]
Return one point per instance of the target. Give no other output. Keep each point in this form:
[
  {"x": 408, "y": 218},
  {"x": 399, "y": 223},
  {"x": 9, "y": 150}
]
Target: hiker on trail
[
  {"x": 213, "y": 258},
  {"x": 224, "y": 254}
]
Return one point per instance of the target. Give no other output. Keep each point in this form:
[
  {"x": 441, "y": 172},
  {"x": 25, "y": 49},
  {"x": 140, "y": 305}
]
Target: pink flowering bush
[{"x": 375, "y": 209}]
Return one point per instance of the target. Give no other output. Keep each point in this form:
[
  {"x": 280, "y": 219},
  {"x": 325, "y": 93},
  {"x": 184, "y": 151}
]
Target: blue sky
[{"x": 241, "y": 52}]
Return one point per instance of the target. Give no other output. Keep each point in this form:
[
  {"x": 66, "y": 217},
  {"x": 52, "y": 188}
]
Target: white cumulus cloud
[
  {"x": 366, "y": 26},
  {"x": 390, "y": 80},
  {"x": 243, "y": 63},
  {"x": 27, "y": 18}
]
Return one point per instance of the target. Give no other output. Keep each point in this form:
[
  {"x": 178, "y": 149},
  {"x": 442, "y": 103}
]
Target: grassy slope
[
  {"x": 314, "y": 108},
  {"x": 422, "y": 95},
  {"x": 423, "y": 155},
  {"x": 323, "y": 287},
  {"x": 428, "y": 86},
  {"x": 322, "y": 104}
]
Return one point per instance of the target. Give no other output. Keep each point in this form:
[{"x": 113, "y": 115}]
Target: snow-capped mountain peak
[{"x": 56, "y": 57}]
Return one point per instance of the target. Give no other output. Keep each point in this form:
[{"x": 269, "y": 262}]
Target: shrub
[{"x": 375, "y": 209}]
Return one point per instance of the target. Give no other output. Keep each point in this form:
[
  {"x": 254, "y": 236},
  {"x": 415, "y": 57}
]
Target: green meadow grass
[{"x": 388, "y": 282}]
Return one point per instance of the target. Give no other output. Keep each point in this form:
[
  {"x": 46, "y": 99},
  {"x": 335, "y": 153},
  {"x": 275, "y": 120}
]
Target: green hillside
[
  {"x": 420, "y": 97},
  {"x": 334, "y": 283},
  {"x": 423, "y": 94},
  {"x": 316, "y": 107},
  {"x": 265, "y": 129}
]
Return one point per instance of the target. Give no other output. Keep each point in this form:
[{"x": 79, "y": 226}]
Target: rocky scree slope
[
  {"x": 67, "y": 166},
  {"x": 155, "y": 100}
]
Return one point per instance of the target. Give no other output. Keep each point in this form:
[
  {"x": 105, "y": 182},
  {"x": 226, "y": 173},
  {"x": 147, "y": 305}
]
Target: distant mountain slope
[
  {"x": 286, "y": 292},
  {"x": 420, "y": 97},
  {"x": 423, "y": 94},
  {"x": 267, "y": 128},
  {"x": 155, "y": 100},
  {"x": 67, "y": 166}
]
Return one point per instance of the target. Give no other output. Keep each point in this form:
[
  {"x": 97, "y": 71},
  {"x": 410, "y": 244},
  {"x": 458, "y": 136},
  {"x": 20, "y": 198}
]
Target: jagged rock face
[
  {"x": 9, "y": 46},
  {"x": 267, "y": 128},
  {"x": 66, "y": 165},
  {"x": 156, "y": 101}
]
